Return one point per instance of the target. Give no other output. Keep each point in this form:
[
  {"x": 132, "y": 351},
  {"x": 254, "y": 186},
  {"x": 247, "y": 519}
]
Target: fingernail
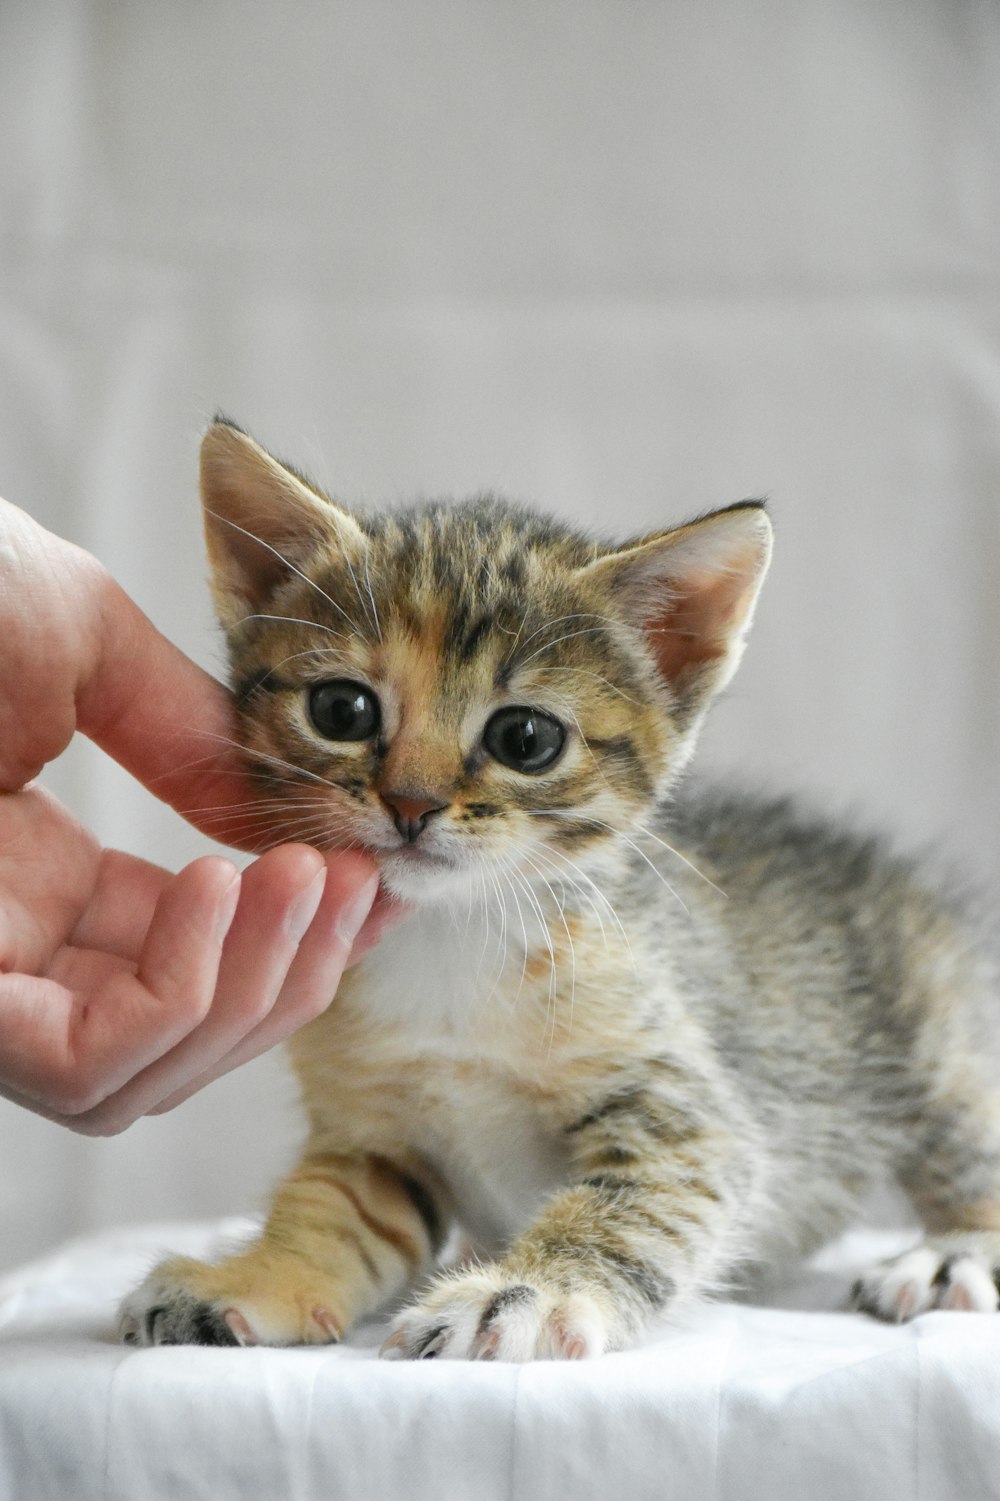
[
  {"x": 352, "y": 914},
  {"x": 303, "y": 909},
  {"x": 227, "y": 911}
]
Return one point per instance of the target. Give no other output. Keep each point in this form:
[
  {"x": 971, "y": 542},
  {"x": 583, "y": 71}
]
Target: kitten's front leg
[
  {"x": 649, "y": 1221},
  {"x": 344, "y": 1234}
]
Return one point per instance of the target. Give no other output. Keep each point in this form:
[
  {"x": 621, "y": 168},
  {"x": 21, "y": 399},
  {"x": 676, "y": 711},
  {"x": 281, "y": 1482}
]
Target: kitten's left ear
[{"x": 692, "y": 592}]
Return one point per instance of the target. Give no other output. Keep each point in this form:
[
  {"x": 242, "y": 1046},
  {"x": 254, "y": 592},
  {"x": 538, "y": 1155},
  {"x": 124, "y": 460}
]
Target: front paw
[
  {"x": 185, "y": 1302},
  {"x": 489, "y": 1314},
  {"x": 959, "y": 1272}
]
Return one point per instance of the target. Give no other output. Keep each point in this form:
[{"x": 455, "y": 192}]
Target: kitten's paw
[
  {"x": 489, "y": 1315},
  {"x": 184, "y": 1302},
  {"x": 957, "y": 1273}
]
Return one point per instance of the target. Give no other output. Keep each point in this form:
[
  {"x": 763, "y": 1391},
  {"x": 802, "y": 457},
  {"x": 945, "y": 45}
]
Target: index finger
[{"x": 167, "y": 721}]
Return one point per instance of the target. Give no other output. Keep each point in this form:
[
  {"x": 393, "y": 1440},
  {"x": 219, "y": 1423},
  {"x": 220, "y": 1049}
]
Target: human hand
[{"x": 124, "y": 988}]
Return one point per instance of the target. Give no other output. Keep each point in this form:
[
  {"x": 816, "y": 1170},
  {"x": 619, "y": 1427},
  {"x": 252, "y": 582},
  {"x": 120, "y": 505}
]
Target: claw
[
  {"x": 326, "y": 1321},
  {"x": 393, "y": 1349},
  {"x": 239, "y": 1327}
]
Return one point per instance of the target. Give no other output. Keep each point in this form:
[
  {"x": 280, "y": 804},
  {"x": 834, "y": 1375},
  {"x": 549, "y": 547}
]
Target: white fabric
[{"x": 792, "y": 1403}]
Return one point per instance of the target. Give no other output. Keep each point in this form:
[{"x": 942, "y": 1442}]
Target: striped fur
[{"x": 639, "y": 1045}]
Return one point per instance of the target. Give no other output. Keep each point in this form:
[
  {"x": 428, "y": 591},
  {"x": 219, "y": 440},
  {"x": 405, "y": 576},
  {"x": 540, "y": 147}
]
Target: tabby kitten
[{"x": 637, "y": 1049}]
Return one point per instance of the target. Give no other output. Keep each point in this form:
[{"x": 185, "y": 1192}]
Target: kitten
[{"x": 636, "y": 1049}]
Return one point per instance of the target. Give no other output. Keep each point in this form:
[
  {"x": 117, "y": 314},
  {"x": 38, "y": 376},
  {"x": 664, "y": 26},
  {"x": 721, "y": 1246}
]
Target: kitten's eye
[
  {"x": 344, "y": 711},
  {"x": 524, "y": 739}
]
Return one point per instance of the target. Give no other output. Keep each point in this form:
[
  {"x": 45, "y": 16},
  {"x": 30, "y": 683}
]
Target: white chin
[{"x": 423, "y": 880}]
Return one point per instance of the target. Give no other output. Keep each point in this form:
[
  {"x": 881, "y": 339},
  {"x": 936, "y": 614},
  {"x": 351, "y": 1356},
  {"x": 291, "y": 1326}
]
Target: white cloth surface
[{"x": 797, "y": 1402}]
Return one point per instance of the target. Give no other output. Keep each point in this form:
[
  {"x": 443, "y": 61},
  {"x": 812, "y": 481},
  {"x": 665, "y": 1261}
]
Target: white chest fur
[{"x": 449, "y": 994}]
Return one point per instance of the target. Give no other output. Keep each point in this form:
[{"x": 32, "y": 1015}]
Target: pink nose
[{"x": 410, "y": 814}]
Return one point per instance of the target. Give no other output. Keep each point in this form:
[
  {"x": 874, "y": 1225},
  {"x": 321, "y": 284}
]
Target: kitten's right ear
[
  {"x": 692, "y": 593},
  {"x": 262, "y": 521}
]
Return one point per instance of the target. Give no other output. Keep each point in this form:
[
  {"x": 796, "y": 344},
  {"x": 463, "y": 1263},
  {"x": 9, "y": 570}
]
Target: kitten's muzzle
[{"x": 410, "y": 814}]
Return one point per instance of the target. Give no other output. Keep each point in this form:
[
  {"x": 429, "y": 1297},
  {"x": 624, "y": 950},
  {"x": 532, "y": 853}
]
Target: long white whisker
[
  {"x": 642, "y": 829},
  {"x": 590, "y": 674},
  {"x": 484, "y": 899},
  {"x": 288, "y": 564},
  {"x": 312, "y": 651},
  {"x": 502, "y": 946},
  {"x": 545, "y": 855},
  {"x": 557, "y": 620},
  {"x": 569, "y": 939},
  {"x": 619, "y": 834},
  {"x": 371, "y": 595},
  {"x": 536, "y": 905},
  {"x": 524, "y": 933},
  {"x": 648, "y": 833},
  {"x": 297, "y": 620},
  {"x": 592, "y": 630},
  {"x": 357, "y": 589},
  {"x": 271, "y": 760}
]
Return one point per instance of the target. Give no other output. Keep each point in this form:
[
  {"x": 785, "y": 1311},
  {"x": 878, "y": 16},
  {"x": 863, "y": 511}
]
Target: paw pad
[
  {"x": 478, "y": 1316},
  {"x": 962, "y": 1280}
]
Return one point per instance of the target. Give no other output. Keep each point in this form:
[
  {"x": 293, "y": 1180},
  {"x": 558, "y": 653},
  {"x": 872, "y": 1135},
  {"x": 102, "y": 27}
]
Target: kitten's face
[
  {"x": 460, "y": 669},
  {"x": 471, "y": 693}
]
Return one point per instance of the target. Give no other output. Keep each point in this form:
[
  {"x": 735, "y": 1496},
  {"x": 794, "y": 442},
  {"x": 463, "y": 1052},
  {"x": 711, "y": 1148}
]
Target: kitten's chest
[
  {"x": 492, "y": 1146},
  {"x": 481, "y": 1044}
]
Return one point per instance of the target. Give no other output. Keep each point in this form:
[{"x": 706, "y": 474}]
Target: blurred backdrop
[{"x": 626, "y": 261}]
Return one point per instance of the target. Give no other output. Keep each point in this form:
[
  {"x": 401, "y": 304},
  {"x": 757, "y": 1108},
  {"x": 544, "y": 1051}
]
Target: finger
[
  {"x": 121, "y": 906},
  {"x": 385, "y": 912},
  {"x": 278, "y": 900},
  {"x": 69, "y": 1049},
  {"x": 314, "y": 974},
  {"x": 160, "y": 715}
]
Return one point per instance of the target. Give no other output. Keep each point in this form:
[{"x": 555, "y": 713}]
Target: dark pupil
[
  {"x": 343, "y": 711},
  {"x": 524, "y": 739}
]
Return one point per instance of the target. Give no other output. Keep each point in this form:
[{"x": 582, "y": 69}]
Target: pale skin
[{"x": 124, "y": 988}]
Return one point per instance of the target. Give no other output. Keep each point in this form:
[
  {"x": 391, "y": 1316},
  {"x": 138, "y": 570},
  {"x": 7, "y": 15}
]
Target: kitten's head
[{"x": 469, "y": 692}]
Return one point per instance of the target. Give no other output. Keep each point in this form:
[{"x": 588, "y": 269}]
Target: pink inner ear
[{"x": 695, "y": 623}]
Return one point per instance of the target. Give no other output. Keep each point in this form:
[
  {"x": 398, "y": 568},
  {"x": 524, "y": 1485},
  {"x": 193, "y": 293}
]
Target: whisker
[
  {"x": 618, "y": 834},
  {"x": 271, "y": 760},
  {"x": 600, "y": 678},
  {"x": 550, "y": 1004},
  {"x": 550, "y": 625},
  {"x": 371, "y": 594},
  {"x": 288, "y": 564},
  {"x": 297, "y": 620},
  {"x": 569, "y": 940},
  {"x": 357, "y": 589},
  {"x": 524, "y": 933},
  {"x": 642, "y": 829},
  {"x": 322, "y": 652},
  {"x": 534, "y": 903},
  {"x": 592, "y": 630}
]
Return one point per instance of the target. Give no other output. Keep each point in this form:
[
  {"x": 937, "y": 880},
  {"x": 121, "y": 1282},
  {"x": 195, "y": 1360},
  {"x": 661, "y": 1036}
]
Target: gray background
[{"x": 629, "y": 261}]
